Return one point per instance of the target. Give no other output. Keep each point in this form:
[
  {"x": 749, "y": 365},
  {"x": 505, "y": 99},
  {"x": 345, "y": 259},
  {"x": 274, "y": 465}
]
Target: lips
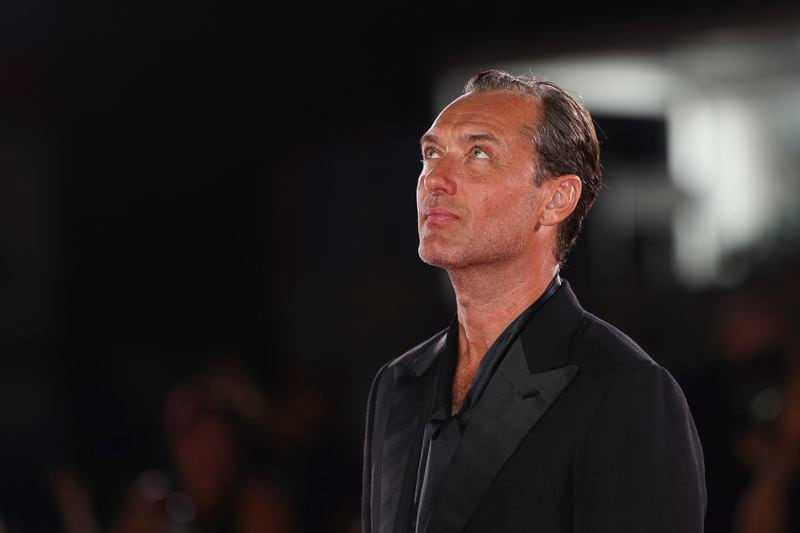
[{"x": 439, "y": 214}]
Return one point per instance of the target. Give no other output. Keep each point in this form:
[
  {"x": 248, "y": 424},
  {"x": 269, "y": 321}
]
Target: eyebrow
[
  {"x": 472, "y": 137},
  {"x": 475, "y": 137},
  {"x": 429, "y": 138}
]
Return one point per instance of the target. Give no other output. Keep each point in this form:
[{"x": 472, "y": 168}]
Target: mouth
[{"x": 438, "y": 214}]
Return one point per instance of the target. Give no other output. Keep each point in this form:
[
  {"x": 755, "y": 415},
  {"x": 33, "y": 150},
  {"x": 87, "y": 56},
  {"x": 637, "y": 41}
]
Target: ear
[{"x": 563, "y": 193}]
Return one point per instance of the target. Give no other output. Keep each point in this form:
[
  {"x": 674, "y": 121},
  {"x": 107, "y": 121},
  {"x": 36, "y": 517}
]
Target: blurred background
[{"x": 208, "y": 242}]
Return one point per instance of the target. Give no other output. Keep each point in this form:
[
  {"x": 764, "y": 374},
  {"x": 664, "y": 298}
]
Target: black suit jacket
[{"x": 578, "y": 431}]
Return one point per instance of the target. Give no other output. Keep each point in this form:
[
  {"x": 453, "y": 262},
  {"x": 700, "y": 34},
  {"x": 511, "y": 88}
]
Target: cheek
[
  {"x": 489, "y": 203},
  {"x": 507, "y": 211}
]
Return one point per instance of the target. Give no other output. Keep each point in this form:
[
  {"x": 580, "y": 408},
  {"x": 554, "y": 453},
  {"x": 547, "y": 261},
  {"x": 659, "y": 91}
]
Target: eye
[
  {"x": 430, "y": 153},
  {"x": 478, "y": 153}
]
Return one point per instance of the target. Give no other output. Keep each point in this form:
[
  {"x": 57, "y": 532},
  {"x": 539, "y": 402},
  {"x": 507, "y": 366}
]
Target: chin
[{"x": 439, "y": 257}]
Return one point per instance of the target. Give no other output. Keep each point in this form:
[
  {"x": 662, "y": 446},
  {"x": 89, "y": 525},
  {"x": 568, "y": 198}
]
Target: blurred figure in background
[
  {"x": 242, "y": 458},
  {"x": 747, "y": 408},
  {"x": 224, "y": 475},
  {"x": 769, "y": 503},
  {"x": 223, "y": 466}
]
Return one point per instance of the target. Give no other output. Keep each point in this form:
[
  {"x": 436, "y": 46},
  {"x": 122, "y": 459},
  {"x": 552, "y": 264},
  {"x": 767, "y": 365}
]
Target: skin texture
[{"x": 482, "y": 218}]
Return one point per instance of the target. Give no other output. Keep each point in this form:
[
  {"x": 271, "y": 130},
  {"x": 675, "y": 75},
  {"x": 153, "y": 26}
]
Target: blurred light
[
  {"x": 620, "y": 84},
  {"x": 716, "y": 156},
  {"x": 180, "y": 508},
  {"x": 153, "y": 485},
  {"x": 766, "y": 406}
]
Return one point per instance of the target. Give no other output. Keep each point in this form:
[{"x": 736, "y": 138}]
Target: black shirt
[{"x": 442, "y": 432}]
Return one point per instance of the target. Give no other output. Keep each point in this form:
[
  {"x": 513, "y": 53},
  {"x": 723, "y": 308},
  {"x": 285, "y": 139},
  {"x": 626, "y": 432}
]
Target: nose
[{"x": 439, "y": 177}]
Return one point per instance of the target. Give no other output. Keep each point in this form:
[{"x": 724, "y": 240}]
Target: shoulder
[
  {"x": 433, "y": 343},
  {"x": 619, "y": 370},
  {"x": 415, "y": 359},
  {"x": 636, "y": 433},
  {"x": 601, "y": 348}
]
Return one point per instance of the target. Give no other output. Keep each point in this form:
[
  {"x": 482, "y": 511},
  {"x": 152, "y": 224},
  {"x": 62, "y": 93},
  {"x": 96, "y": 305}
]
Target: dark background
[{"x": 185, "y": 182}]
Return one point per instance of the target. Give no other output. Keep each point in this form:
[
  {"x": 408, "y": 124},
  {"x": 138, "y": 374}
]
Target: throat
[{"x": 462, "y": 381}]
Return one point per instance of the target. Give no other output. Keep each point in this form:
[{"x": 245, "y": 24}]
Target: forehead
[{"x": 502, "y": 112}]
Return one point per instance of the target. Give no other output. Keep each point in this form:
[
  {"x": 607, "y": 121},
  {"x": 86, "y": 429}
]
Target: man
[{"x": 527, "y": 413}]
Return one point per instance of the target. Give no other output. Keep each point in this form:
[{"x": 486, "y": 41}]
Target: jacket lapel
[
  {"x": 409, "y": 403},
  {"x": 523, "y": 388},
  {"x": 511, "y": 405}
]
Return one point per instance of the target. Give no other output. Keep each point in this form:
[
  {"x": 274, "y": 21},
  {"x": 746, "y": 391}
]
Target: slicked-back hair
[{"x": 564, "y": 140}]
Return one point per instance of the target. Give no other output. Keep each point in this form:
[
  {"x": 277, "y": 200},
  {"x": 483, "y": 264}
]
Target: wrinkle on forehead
[
  {"x": 496, "y": 110},
  {"x": 498, "y": 103}
]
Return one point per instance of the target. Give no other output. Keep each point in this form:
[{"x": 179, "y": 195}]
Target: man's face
[{"x": 476, "y": 199}]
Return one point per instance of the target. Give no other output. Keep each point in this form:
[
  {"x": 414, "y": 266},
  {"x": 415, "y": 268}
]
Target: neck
[{"x": 490, "y": 297}]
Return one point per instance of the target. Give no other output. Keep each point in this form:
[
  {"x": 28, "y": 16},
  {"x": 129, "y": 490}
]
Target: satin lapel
[
  {"x": 510, "y": 406},
  {"x": 409, "y": 402}
]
